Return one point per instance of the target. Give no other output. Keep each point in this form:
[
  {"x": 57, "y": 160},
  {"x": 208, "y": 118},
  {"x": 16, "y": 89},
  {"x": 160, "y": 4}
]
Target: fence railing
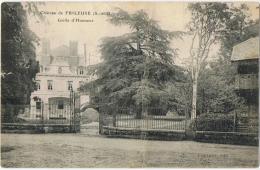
[
  {"x": 125, "y": 119},
  {"x": 229, "y": 123},
  {"x": 37, "y": 114}
]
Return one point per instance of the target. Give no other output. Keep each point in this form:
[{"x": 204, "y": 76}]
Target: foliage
[
  {"x": 180, "y": 97},
  {"x": 137, "y": 65},
  {"x": 213, "y": 122},
  {"x": 19, "y": 66},
  {"x": 238, "y": 28},
  {"x": 206, "y": 26},
  {"x": 228, "y": 25},
  {"x": 9, "y": 113},
  {"x": 216, "y": 92}
]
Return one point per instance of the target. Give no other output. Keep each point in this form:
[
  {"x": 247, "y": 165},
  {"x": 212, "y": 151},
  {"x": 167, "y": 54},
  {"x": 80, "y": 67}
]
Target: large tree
[
  {"x": 137, "y": 65},
  {"x": 18, "y": 64},
  {"x": 214, "y": 91},
  {"x": 207, "y": 24}
]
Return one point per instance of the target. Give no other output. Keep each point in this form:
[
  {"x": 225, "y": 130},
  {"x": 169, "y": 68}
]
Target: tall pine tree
[{"x": 137, "y": 65}]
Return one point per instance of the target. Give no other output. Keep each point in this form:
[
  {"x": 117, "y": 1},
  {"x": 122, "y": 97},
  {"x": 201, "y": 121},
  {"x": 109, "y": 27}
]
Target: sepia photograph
[{"x": 130, "y": 84}]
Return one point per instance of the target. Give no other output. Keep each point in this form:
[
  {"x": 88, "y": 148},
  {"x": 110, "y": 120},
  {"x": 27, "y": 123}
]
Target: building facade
[{"x": 58, "y": 77}]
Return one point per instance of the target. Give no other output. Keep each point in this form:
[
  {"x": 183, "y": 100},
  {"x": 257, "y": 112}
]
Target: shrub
[
  {"x": 9, "y": 113},
  {"x": 213, "y": 122}
]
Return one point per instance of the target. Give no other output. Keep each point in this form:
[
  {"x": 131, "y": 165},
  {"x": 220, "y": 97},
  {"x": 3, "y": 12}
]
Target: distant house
[
  {"x": 245, "y": 56},
  {"x": 64, "y": 72}
]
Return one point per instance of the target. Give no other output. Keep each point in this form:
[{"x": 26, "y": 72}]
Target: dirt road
[{"x": 77, "y": 150}]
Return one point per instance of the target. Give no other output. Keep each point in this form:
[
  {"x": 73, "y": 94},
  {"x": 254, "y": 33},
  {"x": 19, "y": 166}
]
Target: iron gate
[
  {"x": 75, "y": 111},
  {"x": 62, "y": 114}
]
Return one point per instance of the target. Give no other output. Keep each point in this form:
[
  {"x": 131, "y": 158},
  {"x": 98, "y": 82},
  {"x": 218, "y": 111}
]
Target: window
[
  {"x": 59, "y": 70},
  {"x": 41, "y": 68},
  {"x": 81, "y": 71},
  {"x": 70, "y": 85},
  {"x": 50, "y": 84},
  {"x": 38, "y": 105},
  {"x": 38, "y": 84},
  {"x": 60, "y": 104}
]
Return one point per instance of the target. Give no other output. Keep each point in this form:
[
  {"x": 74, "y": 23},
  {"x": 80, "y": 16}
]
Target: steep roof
[
  {"x": 59, "y": 62},
  {"x": 246, "y": 50},
  {"x": 62, "y": 50}
]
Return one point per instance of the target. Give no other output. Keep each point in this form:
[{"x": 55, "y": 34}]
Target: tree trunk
[{"x": 194, "y": 97}]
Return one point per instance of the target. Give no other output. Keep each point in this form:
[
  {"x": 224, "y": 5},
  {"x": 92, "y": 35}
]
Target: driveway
[{"x": 81, "y": 150}]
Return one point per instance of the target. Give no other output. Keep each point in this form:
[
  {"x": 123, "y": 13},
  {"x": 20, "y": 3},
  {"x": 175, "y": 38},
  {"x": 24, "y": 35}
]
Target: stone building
[{"x": 58, "y": 76}]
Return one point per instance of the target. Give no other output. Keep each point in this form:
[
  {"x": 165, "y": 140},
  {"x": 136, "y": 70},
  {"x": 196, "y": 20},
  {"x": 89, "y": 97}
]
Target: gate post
[
  {"x": 235, "y": 122},
  {"x": 71, "y": 111},
  {"x": 74, "y": 114},
  {"x": 42, "y": 116},
  {"x": 101, "y": 121},
  {"x": 114, "y": 117}
]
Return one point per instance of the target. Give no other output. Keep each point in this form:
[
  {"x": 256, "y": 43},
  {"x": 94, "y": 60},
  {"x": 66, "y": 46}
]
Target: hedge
[{"x": 213, "y": 122}]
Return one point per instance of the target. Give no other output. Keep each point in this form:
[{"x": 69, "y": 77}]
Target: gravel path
[{"x": 79, "y": 150}]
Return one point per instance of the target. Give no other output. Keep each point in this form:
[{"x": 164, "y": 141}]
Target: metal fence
[
  {"x": 40, "y": 115},
  {"x": 229, "y": 123},
  {"x": 248, "y": 124},
  {"x": 123, "y": 118}
]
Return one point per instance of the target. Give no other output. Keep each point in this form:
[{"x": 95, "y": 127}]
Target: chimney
[{"x": 73, "y": 48}]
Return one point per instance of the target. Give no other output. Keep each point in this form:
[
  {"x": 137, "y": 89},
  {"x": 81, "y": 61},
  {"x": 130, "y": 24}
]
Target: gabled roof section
[{"x": 246, "y": 50}]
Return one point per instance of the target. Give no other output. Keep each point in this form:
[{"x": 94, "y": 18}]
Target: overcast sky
[{"x": 172, "y": 16}]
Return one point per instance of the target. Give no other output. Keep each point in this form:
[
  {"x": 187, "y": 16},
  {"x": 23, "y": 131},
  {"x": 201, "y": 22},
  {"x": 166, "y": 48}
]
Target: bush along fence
[
  {"x": 226, "y": 128},
  {"x": 217, "y": 128}
]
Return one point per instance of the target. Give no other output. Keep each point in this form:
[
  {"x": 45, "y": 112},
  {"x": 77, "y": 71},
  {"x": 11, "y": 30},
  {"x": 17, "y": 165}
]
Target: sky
[{"x": 172, "y": 16}]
